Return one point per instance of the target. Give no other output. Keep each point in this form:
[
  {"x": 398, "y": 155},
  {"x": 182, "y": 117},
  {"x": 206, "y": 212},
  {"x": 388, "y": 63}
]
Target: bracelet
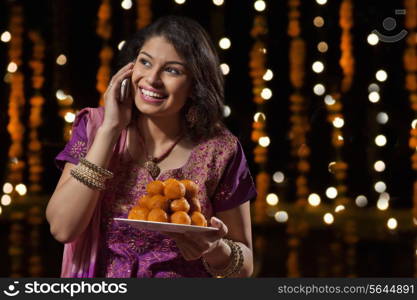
[
  {"x": 105, "y": 173},
  {"x": 83, "y": 177},
  {"x": 233, "y": 267}
]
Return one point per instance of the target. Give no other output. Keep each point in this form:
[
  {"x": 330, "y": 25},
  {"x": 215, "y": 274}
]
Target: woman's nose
[{"x": 153, "y": 77}]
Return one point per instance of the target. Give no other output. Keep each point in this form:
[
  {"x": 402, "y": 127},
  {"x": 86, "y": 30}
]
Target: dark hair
[{"x": 192, "y": 42}]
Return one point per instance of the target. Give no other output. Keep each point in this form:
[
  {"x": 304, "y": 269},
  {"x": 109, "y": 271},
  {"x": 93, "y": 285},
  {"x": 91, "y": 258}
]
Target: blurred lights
[
  {"x": 373, "y": 39},
  {"x": 6, "y": 200},
  {"x": 226, "y": 111},
  {"x": 120, "y": 45},
  {"x": 373, "y": 87},
  {"x": 281, "y": 216},
  {"x": 381, "y": 140},
  {"x": 361, "y": 201},
  {"x": 69, "y": 117},
  {"x": 225, "y": 43},
  {"x": 374, "y": 97},
  {"x": 329, "y": 100},
  {"x": 339, "y": 208},
  {"x": 414, "y": 124},
  {"x": 318, "y": 67},
  {"x": 319, "y": 89},
  {"x": 384, "y": 196},
  {"x": 264, "y": 141},
  {"x": 322, "y": 47},
  {"x": 381, "y": 75},
  {"x": 272, "y": 199},
  {"x": 7, "y": 188},
  {"x": 338, "y": 122},
  {"x": 379, "y": 166},
  {"x": 318, "y": 21},
  {"x": 12, "y": 67},
  {"x": 392, "y": 223},
  {"x": 225, "y": 68},
  {"x": 259, "y": 5},
  {"x": 266, "y": 94},
  {"x": 331, "y": 192},
  {"x": 6, "y": 37},
  {"x": 61, "y": 59},
  {"x": 21, "y": 189},
  {"x": 321, "y": 2},
  {"x": 328, "y": 218},
  {"x": 380, "y": 186},
  {"x": 259, "y": 117},
  {"x": 382, "y": 118},
  {"x": 268, "y": 75},
  {"x": 218, "y": 2},
  {"x": 126, "y": 4},
  {"x": 60, "y": 95},
  {"x": 278, "y": 177},
  {"x": 180, "y": 1},
  {"x": 314, "y": 199},
  {"x": 331, "y": 166}
]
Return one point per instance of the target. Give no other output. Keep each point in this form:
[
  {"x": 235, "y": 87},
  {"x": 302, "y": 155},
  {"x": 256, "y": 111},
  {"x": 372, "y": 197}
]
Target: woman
[{"x": 169, "y": 125}]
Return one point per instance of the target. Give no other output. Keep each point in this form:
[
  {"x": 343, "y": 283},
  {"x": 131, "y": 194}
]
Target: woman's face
[{"x": 160, "y": 79}]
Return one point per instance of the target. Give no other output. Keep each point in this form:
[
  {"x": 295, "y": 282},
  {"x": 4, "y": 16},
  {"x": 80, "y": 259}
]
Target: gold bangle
[
  {"x": 106, "y": 173},
  {"x": 86, "y": 180},
  {"x": 233, "y": 267}
]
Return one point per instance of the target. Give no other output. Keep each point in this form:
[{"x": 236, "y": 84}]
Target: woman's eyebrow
[{"x": 167, "y": 63}]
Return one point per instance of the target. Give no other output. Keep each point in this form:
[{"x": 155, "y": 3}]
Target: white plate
[{"x": 162, "y": 226}]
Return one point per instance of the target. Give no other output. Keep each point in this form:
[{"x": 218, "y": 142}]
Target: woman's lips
[{"x": 150, "y": 99}]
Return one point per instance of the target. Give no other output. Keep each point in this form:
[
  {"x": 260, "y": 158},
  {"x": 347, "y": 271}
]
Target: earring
[{"x": 192, "y": 116}]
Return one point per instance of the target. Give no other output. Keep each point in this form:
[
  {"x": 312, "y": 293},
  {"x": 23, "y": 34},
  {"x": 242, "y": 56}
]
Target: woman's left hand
[{"x": 194, "y": 245}]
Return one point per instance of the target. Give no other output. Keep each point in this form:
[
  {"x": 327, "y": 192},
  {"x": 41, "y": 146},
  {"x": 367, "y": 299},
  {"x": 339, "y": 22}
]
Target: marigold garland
[
  {"x": 35, "y": 117},
  {"x": 298, "y": 118},
  {"x": 17, "y": 101},
  {"x": 410, "y": 66},
  {"x": 144, "y": 13},
  {"x": 257, "y": 70},
  {"x": 104, "y": 30}
]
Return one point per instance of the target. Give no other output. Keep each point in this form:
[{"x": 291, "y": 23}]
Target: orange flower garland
[
  {"x": 15, "y": 127},
  {"x": 298, "y": 119},
  {"x": 144, "y": 13},
  {"x": 35, "y": 118},
  {"x": 257, "y": 70},
  {"x": 347, "y": 62},
  {"x": 410, "y": 66},
  {"x": 104, "y": 30}
]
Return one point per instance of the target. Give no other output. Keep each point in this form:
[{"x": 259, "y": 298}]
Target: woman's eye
[
  {"x": 145, "y": 62},
  {"x": 173, "y": 71}
]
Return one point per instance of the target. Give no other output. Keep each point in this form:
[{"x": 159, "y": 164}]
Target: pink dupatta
[{"x": 80, "y": 256}]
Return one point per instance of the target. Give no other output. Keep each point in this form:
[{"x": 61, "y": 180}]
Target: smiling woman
[{"x": 169, "y": 125}]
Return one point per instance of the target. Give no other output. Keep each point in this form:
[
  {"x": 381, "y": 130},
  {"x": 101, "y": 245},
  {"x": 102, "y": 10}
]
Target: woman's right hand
[{"x": 118, "y": 112}]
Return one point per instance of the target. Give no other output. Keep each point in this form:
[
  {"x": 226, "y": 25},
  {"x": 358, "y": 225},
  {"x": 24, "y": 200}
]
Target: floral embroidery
[
  {"x": 128, "y": 252},
  {"x": 78, "y": 149}
]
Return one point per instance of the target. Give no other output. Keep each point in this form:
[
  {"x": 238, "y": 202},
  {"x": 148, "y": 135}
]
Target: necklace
[{"x": 151, "y": 165}]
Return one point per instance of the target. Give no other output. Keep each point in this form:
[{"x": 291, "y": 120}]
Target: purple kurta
[{"x": 217, "y": 165}]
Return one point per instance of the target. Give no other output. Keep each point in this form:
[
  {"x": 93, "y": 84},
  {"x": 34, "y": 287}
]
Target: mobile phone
[{"x": 124, "y": 89}]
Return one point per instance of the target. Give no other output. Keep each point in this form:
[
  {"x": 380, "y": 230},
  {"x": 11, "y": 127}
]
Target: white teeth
[{"x": 152, "y": 94}]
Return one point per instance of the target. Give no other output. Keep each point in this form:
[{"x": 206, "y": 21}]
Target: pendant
[{"x": 152, "y": 168}]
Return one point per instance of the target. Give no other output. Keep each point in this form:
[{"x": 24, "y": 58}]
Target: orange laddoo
[
  {"x": 191, "y": 188},
  {"x": 180, "y": 205},
  {"x": 143, "y": 201},
  {"x": 138, "y": 213},
  {"x": 181, "y": 217},
  {"x": 174, "y": 189},
  {"x": 157, "y": 215},
  {"x": 155, "y": 188},
  {"x": 198, "y": 219},
  {"x": 195, "y": 204},
  {"x": 158, "y": 201}
]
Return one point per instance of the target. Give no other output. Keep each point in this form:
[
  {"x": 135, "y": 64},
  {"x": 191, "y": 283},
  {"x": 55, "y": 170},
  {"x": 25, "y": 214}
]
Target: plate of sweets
[{"x": 169, "y": 206}]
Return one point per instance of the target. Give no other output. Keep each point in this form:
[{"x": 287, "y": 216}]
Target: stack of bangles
[
  {"x": 91, "y": 175},
  {"x": 233, "y": 267}
]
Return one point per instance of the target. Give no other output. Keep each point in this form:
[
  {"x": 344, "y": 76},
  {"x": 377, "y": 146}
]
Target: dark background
[{"x": 69, "y": 27}]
